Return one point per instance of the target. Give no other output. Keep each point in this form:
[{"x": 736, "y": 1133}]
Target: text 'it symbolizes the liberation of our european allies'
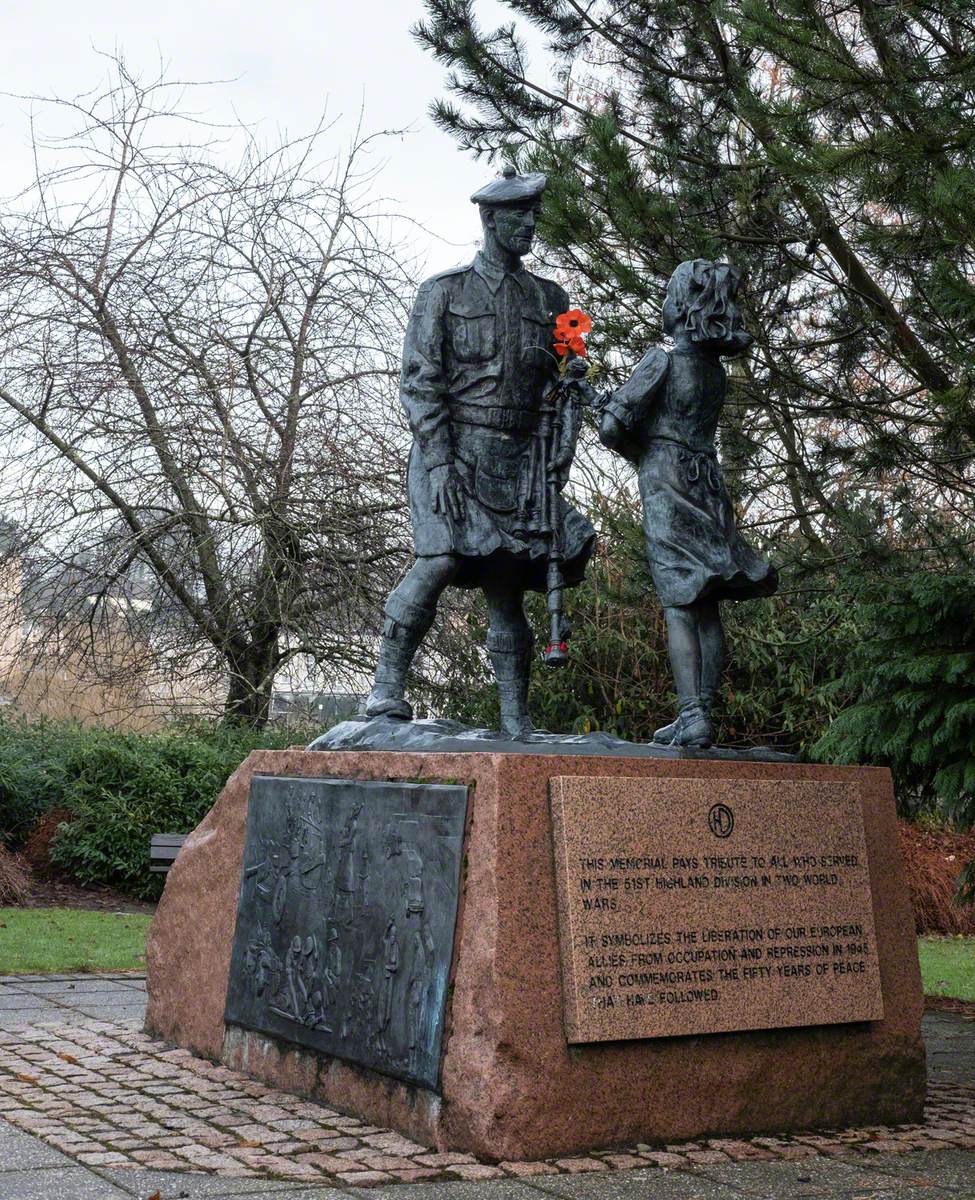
[{"x": 667, "y": 927}]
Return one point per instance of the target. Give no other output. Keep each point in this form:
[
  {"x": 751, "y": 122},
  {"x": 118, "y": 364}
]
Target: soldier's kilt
[{"x": 498, "y": 537}]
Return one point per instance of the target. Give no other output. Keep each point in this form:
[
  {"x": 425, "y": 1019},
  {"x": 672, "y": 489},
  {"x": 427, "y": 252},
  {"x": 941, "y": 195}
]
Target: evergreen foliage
[
  {"x": 914, "y": 683},
  {"x": 828, "y": 150},
  {"x": 120, "y": 788}
]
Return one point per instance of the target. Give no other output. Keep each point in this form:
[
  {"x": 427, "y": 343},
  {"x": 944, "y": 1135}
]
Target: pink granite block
[{"x": 511, "y": 1086}]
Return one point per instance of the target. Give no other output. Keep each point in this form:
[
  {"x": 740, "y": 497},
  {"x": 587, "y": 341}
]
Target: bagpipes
[{"x": 558, "y": 432}]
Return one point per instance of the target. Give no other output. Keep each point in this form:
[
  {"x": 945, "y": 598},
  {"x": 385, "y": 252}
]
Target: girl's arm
[{"x": 626, "y": 411}]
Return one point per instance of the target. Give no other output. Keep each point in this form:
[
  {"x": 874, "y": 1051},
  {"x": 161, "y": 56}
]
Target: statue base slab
[
  {"x": 451, "y": 737},
  {"x": 511, "y": 1084}
]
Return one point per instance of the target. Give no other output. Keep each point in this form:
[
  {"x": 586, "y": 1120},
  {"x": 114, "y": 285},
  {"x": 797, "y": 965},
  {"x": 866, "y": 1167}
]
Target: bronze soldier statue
[{"x": 478, "y": 375}]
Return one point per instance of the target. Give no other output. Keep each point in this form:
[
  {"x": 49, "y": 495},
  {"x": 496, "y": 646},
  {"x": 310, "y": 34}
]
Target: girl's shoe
[{"x": 692, "y": 728}]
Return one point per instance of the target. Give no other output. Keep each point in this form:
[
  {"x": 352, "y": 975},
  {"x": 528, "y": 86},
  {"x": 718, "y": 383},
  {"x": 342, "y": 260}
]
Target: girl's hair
[{"x": 703, "y": 295}]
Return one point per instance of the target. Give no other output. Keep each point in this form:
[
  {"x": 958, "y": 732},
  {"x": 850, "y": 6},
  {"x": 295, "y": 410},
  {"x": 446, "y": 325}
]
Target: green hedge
[
  {"x": 120, "y": 789},
  {"x": 33, "y": 758}
]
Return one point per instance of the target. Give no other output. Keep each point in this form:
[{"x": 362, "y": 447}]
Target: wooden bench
[{"x": 163, "y": 848}]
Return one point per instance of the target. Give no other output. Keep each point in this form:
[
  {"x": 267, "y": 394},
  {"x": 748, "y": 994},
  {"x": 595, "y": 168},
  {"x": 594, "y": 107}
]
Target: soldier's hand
[{"x": 448, "y": 491}]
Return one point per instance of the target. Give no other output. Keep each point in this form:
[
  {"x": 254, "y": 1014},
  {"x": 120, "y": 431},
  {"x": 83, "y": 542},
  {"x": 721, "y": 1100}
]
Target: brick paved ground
[{"x": 96, "y": 1110}]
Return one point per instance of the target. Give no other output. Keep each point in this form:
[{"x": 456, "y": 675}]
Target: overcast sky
[{"x": 285, "y": 60}]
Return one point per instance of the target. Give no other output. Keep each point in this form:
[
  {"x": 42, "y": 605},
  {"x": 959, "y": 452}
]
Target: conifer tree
[
  {"x": 829, "y": 150},
  {"x": 915, "y": 675}
]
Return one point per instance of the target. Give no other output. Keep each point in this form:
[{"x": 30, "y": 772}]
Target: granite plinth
[{"x": 511, "y": 1084}]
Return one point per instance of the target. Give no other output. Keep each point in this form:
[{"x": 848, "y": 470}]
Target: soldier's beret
[{"x": 511, "y": 189}]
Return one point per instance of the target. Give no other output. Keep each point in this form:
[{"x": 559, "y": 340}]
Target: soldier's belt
[{"x": 508, "y": 420}]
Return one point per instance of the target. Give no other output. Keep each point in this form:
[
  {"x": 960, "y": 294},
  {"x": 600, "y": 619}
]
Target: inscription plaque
[
  {"x": 345, "y": 922},
  {"x": 689, "y": 906}
]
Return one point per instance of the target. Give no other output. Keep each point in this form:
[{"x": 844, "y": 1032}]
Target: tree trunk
[{"x": 248, "y": 700}]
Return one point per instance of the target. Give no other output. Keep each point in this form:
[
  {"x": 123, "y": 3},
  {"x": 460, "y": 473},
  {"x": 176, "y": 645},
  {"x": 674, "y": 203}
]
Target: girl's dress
[{"x": 670, "y": 408}]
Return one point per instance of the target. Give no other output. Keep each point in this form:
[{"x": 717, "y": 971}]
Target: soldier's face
[{"x": 514, "y": 227}]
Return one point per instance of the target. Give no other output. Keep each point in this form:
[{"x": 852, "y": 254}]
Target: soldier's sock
[
  {"x": 405, "y": 627},
  {"x": 511, "y": 658}
]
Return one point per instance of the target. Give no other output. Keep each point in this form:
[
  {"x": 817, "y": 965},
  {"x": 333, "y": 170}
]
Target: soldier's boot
[
  {"x": 692, "y": 726},
  {"x": 404, "y": 629},
  {"x": 511, "y": 658}
]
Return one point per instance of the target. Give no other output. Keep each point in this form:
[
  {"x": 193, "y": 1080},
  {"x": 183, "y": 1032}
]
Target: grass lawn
[
  {"x": 948, "y": 966},
  {"x": 34, "y": 941}
]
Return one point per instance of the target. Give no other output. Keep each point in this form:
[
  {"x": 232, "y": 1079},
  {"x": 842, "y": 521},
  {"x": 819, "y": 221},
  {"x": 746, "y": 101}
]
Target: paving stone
[
  {"x": 444, "y": 1158},
  {"x": 947, "y": 1168},
  {"x": 645, "y": 1184},
  {"x": 15, "y": 1018},
  {"x": 120, "y": 1012},
  {"x": 322, "y": 1193},
  {"x": 9, "y": 1000},
  {"x": 477, "y": 1171},
  {"x": 812, "y": 1177},
  {"x": 104, "y": 1090},
  {"x": 116, "y": 998},
  {"x": 706, "y": 1157},
  {"x": 72, "y": 987},
  {"x": 40, "y": 978},
  {"x": 22, "y": 1151},
  {"x": 171, "y": 1185},
  {"x": 663, "y": 1158},
  {"x": 621, "y": 1162},
  {"x": 326, "y": 1139},
  {"x": 525, "y": 1170},
  {"x": 579, "y": 1165},
  {"x": 364, "y": 1179},
  {"x": 58, "y": 1183},
  {"x": 494, "y": 1189}
]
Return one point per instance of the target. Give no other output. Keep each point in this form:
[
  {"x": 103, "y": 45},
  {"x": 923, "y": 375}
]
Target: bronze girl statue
[{"x": 664, "y": 419}]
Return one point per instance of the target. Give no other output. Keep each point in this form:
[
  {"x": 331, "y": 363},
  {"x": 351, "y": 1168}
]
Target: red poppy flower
[{"x": 572, "y": 323}]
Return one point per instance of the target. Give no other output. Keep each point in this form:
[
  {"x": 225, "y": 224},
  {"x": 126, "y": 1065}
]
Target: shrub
[
  {"x": 783, "y": 650},
  {"x": 115, "y": 789},
  {"x": 122, "y": 788},
  {"x": 32, "y": 771},
  {"x": 913, "y": 678},
  {"x": 13, "y": 879},
  {"x": 932, "y": 859}
]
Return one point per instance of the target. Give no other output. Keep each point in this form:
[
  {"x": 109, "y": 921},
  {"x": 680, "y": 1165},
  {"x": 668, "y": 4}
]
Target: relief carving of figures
[
  {"x": 346, "y": 918},
  {"x": 333, "y": 962},
  {"x": 418, "y": 990},
  {"x": 298, "y": 853},
  {"x": 414, "y": 883},
  {"x": 263, "y": 964},
  {"x": 390, "y": 969},
  {"x": 358, "y": 1022},
  {"x": 344, "y": 891},
  {"x": 299, "y": 998}
]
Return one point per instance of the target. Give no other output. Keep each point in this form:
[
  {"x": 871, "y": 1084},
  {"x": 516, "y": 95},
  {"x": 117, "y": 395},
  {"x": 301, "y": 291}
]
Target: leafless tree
[{"x": 200, "y": 439}]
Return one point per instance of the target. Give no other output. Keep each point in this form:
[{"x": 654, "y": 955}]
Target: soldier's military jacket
[{"x": 478, "y": 364}]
